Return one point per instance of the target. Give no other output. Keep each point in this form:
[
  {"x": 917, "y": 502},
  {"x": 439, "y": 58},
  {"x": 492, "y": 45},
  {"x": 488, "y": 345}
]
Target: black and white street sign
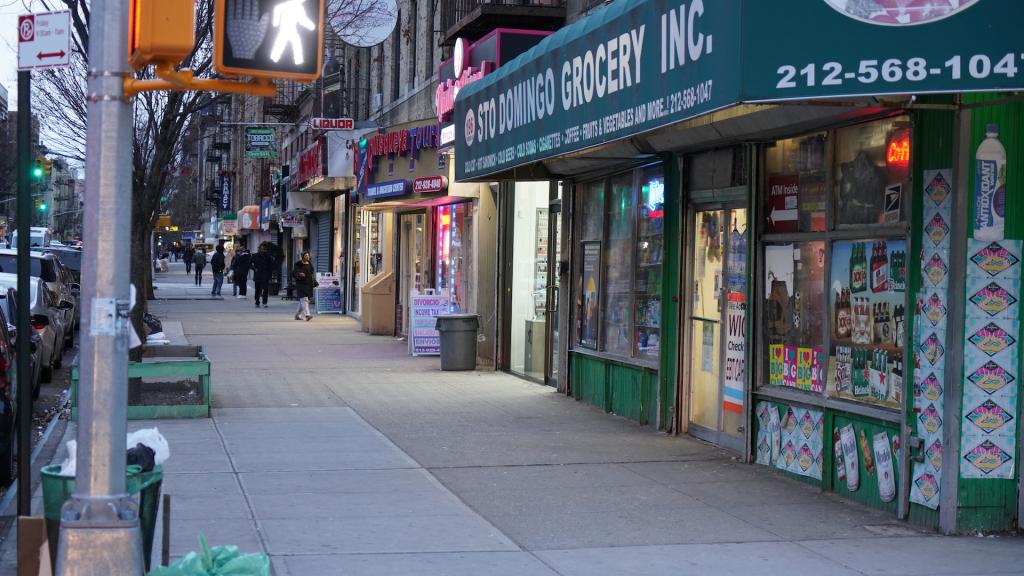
[{"x": 44, "y": 40}]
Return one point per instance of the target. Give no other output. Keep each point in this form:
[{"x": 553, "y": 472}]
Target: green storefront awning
[{"x": 637, "y": 65}]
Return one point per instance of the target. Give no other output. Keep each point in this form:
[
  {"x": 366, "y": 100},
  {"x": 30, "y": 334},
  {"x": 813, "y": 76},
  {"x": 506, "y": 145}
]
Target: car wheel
[
  {"x": 46, "y": 374},
  {"x": 59, "y": 360}
]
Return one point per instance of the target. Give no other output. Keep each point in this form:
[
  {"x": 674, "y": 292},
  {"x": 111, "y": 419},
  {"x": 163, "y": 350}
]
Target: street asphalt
[{"x": 335, "y": 452}]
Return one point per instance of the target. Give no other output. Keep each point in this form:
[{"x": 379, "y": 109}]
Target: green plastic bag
[{"x": 216, "y": 561}]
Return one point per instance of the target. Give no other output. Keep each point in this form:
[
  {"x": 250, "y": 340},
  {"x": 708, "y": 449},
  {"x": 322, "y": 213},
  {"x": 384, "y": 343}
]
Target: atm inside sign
[{"x": 44, "y": 40}]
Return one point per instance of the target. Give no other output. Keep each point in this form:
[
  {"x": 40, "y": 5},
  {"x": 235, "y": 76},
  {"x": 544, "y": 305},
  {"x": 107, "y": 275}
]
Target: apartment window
[{"x": 396, "y": 57}]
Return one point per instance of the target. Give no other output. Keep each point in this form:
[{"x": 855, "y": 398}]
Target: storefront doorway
[
  {"x": 532, "y": 293},
  {"x": 412, "y": 262},
  {"x": 716, "y": 324}
]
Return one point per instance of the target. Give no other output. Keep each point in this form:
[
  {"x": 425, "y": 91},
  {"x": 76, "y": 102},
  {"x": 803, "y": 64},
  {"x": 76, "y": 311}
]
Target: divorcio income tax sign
[{"x": 636, "y": 65}]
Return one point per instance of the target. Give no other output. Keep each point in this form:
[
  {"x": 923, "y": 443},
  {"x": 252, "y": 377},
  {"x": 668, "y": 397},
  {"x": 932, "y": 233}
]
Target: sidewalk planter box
[{"x": 167, "y": 365}]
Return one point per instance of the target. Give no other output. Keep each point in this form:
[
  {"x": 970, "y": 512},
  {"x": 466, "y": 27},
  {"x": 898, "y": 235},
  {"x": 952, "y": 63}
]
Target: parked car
[
  {"x": 47, "y": 319},
  {"x": 9, "y": 310},
  {"x": 71, "y": 259},
  {"x": 8, "y": 403},
  {"x": 47, "y": 266}
]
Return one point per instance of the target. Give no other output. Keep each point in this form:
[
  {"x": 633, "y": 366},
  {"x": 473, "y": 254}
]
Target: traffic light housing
[
  {"x": 37, "y": 170},
  {"x": 277, "y": 39},
  {"x": 160, "y": 31},
  {"x": 47, "y": 166}
]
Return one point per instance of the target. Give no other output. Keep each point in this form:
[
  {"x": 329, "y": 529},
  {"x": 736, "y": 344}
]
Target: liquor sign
[
  {"x": 387, "y": 189},
  {"x": 44, "y": 40},
  {"x": 260, "y": 143},
  {"x": 332, "y": 123},
  {"x": 311, "y": 162},
  {"x": 430, "y": 184},
  {"x": 424, "y": 339}
]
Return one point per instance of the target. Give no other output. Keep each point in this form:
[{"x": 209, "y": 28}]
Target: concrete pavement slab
[
  {"x": 185, "y": 534},
  {"x": 818, "y": 519},
  {"x": 383, "y": 534},
  {"x": 205, "y": 496},
  {"x": 726, "y": 559},
  {"x": 437, "y": 564},
  {"x": 344, "y": 482},
  {"x": 924, "y": 556}
]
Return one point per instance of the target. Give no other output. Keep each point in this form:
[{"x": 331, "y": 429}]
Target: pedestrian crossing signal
[
  {"x": 279, "y": 39},
  {"x": 160, "y": 32}
]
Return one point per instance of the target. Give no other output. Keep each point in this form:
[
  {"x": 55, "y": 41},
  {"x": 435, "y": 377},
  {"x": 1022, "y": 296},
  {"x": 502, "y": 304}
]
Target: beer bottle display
[
  {"x": 858, "y": 269},
  {"x": 896, "y": 378},
  {"x": 843, "y": 319},
  {"x": 879, "y": 267},
  {"x": 899, "y": 318}
]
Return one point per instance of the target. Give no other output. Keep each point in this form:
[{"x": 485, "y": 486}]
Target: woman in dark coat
[{"x": 303, "y": 276}]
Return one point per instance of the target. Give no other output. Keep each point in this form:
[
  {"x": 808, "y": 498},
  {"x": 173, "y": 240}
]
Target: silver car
[{"x": 47, "y": 315}]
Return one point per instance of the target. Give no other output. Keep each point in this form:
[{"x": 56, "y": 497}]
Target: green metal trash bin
[
  {"x": 57, "y": 490},
  {"x": 458, "y": 340}
]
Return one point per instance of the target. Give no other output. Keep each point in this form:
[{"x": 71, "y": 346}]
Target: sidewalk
[{"x": 337, "y": 453}]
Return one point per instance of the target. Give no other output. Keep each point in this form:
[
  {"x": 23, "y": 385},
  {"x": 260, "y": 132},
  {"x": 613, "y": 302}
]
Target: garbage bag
[
  {"x": 142, "y": 456},
  {"x": 154, "y": 439},
  {"x": 216, "y": 561},
  {"x": 153, "y": 323},
  {"x": 150, "y": 437}
]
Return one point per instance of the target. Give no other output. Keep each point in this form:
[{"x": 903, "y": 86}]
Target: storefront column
[
  {"x": 668, "y": 374},
  {"x": 949, "y": 501},
  {"x": 566, "y": 285}
]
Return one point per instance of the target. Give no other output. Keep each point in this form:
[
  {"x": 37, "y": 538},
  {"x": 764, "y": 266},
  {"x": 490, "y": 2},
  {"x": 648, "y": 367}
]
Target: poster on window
[
  {"x": 591, "y": 294},
  {"x": 735, "y": 355},
  {"x": 869, "y": 314}
]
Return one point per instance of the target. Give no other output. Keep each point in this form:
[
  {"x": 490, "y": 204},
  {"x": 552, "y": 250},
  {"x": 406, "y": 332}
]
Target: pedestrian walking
[
  {"x": 217, "y": 267},
  {"x": 240, "y": 272},
  {"x": 189, "y": 254},
  {"x": 303, "y": 275},
  {"x": 262, "y": 269},
  {"x": 199, "y": 261}
]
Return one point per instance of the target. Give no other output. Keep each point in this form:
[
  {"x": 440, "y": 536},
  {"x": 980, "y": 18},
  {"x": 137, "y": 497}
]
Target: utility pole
[
  {"x": 23, "y": 266},
  {"x": 100, "y": 532}
]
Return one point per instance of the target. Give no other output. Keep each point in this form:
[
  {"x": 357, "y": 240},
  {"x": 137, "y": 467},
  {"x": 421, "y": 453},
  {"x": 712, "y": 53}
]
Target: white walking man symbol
[{"x": 287, "y": 18}]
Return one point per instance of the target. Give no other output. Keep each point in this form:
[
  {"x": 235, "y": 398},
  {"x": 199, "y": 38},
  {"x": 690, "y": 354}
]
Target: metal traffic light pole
[{"x": 100, "y": 532}]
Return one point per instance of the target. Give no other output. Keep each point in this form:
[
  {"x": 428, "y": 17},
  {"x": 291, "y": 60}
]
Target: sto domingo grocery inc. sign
[{"x": 636, "y": 65}]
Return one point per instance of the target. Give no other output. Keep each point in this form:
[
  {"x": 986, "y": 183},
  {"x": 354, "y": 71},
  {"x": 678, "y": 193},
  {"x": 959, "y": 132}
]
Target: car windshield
[{"x": 41, "y": 267}]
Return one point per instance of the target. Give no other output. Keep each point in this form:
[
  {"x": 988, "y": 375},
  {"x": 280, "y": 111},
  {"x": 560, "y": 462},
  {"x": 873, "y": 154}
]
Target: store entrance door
[
  {"x": 412, "y": 232},
  {"x": 717, "y": 301}
]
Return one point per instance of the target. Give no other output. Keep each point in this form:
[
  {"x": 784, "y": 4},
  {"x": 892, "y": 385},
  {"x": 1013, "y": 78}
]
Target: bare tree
[{"x": 161, "y": 118}]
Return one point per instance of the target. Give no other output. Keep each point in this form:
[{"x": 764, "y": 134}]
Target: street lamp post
[{"x": 100, "y": 523}]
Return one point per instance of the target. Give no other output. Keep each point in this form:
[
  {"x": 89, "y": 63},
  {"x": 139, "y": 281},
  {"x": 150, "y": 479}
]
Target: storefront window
[
  {"x": 454, "y": 252},
  {"x": 649, "y": 241},
  {"x": 617, "y": 257},
  {"x": 872, "y": 173},
  {"x": 794, "y": 307},
  {"x": 839, "y": 332},
  {"x": 796, "y": 185},
  {"x": 621, "y": 242},
  {"x": 356, "y": 277}
]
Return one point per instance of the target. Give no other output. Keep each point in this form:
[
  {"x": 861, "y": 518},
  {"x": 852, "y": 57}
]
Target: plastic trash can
[
  {"x": 458, "y": 340},
  {"x": 57, "y": 489}
]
